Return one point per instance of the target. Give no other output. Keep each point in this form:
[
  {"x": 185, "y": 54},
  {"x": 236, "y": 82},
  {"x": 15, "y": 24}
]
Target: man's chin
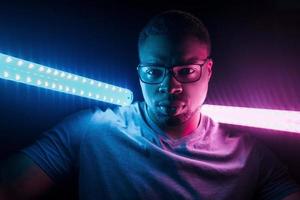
[{"x": 172, "y": 120}]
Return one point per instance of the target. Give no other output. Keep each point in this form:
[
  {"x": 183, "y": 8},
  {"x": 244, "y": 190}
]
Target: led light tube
[
  {"x": 281, "y": 120},
  {"x": 22, "y": 71}
]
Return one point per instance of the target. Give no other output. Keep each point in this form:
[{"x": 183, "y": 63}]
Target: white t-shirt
[{"x": 122, "y": 154}]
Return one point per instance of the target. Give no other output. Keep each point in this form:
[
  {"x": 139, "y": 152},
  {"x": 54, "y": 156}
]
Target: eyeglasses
[{"x": 154, "y": 74}]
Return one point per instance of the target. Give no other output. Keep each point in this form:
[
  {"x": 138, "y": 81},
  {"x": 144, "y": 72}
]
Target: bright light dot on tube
[
  {"x": 20, "y": 62},
  {"x": 30, "y": 66},
  {"x": 62, "y": 74},
  {"x": 5, "y": 74},
  {"x": 41, "y": 68},
  {"x": 8, "y": 59},
  {"x": 18, "y": 77}
]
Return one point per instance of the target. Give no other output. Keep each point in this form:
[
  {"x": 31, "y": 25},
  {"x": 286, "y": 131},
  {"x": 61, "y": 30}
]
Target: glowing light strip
[
  {"x": 281, "y": 120},
  {"x": 34, "y": 74}
]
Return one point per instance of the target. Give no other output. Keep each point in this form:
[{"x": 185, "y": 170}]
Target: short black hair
[{"x": 175, "y": 23}]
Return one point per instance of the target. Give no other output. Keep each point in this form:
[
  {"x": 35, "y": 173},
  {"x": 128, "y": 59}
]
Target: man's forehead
[
  {"x": 163, "y": 48},
  {"x": 156, "y": 58}
]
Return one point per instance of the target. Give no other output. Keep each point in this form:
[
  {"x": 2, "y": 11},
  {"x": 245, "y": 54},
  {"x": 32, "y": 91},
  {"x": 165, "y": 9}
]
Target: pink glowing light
[{"x": 281, "y": 120}]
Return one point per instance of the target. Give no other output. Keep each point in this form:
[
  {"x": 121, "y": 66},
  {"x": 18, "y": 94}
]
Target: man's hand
[{"x": 21, "y": 178}]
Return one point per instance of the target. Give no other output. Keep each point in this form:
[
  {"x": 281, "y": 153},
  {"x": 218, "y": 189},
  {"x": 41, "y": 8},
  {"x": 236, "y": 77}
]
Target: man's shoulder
[
  {"x": 99, "y": 114},
  {"x": 247, "y": 137},
  {"x": 222, "y": 130},
  {"x": 116, "y": 114},
  {"x": 230, "y": 134},
  {"x": 103, "y": 125},
  {"x": 92, "y": 120}
]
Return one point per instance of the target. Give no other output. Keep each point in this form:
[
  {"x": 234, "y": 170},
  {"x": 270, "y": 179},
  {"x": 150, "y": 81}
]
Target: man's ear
[{"x": 209, "y": 66}]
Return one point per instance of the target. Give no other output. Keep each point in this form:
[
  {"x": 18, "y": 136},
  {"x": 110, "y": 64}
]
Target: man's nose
[{"x": 170, "y": 85}]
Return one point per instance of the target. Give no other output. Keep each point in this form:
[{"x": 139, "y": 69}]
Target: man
[{"x": 163, "y": 148}]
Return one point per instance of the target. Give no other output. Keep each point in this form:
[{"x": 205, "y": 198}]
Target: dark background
[{"x": 255, "y": 51}]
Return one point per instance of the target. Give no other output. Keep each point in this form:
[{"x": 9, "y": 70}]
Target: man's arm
[
  {"x": 294, "y": 196},
  {"x": 21, "y": 178}
]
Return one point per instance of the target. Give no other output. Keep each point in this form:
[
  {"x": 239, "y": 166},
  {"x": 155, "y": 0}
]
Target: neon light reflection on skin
[
  {"x": 280, "y": 120},
  {"x": 22, "y": 71}
]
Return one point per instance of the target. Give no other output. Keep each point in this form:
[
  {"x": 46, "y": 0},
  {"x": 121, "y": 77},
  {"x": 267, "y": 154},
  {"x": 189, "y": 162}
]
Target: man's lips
[
  {"x": 171, "y": 108},
  {"x": 171, "y": 103}
]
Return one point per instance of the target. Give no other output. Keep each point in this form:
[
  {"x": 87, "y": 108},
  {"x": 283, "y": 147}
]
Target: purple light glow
[{"x": 281, "y": 120}]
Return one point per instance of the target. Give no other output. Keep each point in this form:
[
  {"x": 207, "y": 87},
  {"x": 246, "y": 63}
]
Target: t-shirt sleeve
[
  {"x": 56, "y": 150},
  {"x": 275, "y": 182}
]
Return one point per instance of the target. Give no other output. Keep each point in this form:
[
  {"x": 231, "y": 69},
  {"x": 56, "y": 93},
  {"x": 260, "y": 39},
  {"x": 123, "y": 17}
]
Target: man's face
[{"x": 171, "y": 102}]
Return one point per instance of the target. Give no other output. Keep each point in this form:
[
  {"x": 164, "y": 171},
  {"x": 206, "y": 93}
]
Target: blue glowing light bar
[{"x": 22, "y": 71}]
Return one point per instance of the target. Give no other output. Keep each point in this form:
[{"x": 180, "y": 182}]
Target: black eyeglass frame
[{"x": 170, "y": 70}]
